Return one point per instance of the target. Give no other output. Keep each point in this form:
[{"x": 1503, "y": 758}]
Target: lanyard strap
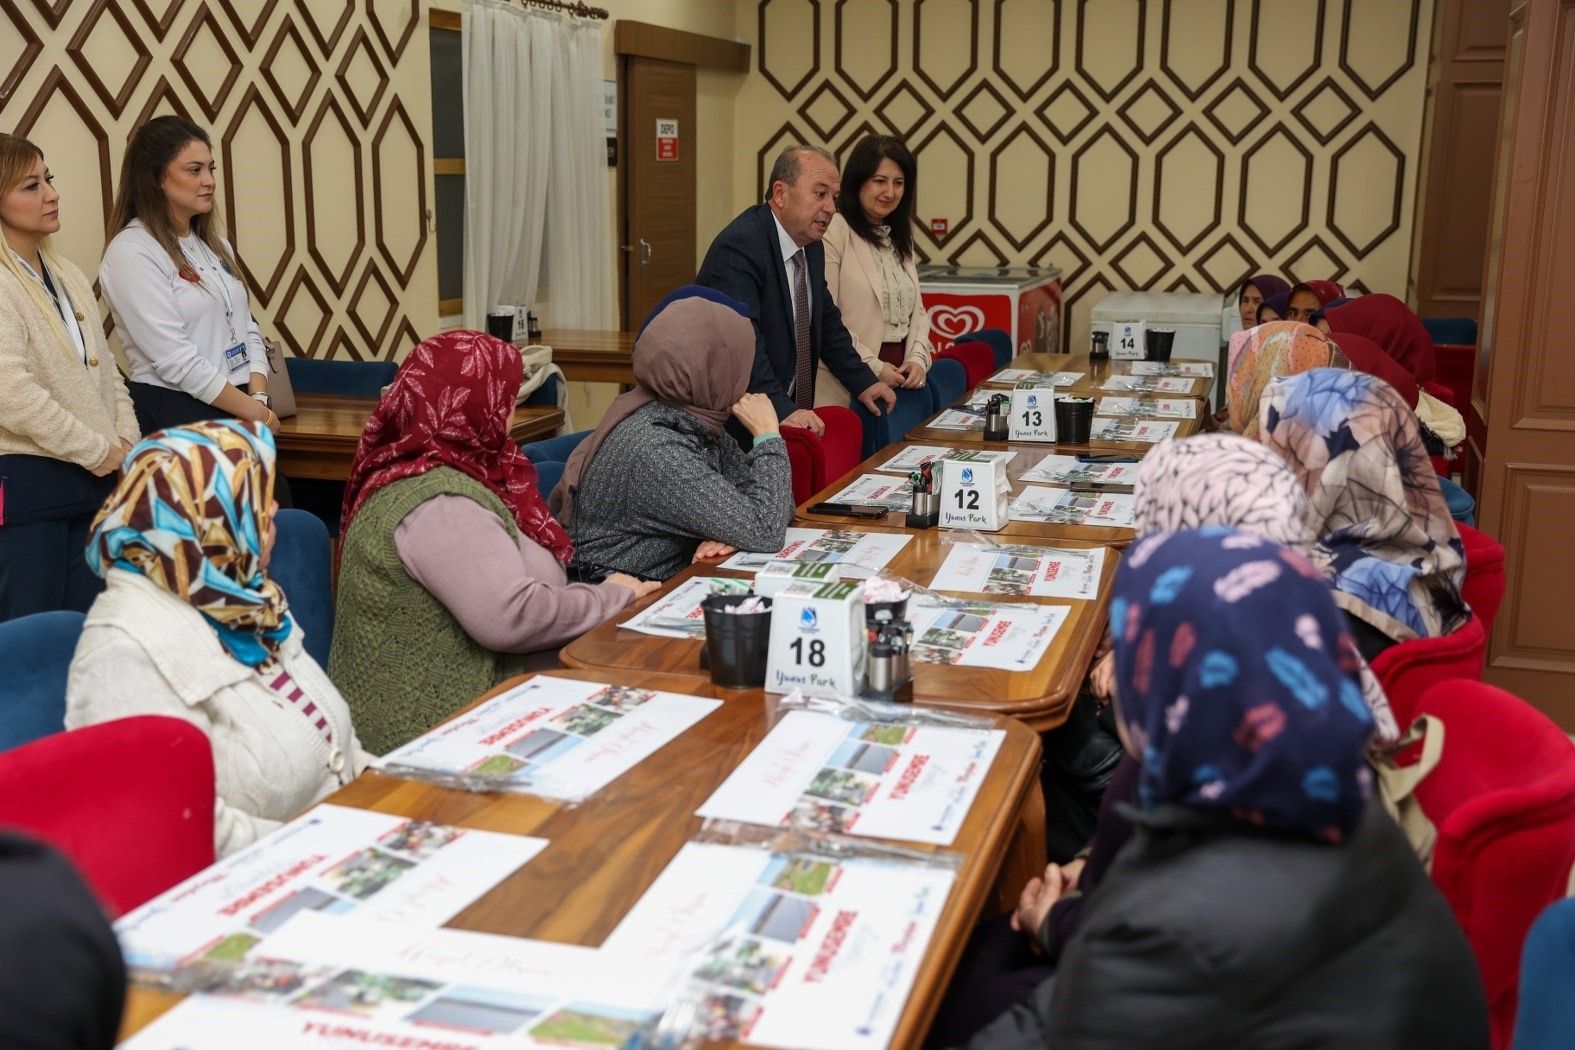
[
  {"x": 67, "y": 316},
  {"x": 223, "y": 285}
]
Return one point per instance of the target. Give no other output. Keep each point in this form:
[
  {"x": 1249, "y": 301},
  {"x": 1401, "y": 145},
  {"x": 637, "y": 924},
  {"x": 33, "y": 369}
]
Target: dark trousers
[
  {"x": 43, "y": 567},
  {"x": 159, "y": 408}
]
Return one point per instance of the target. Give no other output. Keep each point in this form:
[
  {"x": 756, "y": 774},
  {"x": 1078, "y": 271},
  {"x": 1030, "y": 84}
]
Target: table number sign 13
[{"x": 1033, "y": 413}]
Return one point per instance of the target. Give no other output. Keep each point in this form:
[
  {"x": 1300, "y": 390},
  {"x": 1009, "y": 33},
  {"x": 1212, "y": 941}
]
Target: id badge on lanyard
[{"x": 235, "y": 358}]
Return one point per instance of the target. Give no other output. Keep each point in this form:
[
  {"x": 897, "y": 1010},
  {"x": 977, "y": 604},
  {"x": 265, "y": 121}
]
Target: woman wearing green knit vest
[{"x": 452, "y": 567}]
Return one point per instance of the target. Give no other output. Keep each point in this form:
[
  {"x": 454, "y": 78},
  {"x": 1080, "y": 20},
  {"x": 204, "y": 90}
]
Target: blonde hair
[
  {"x": 153, "y": 147},
  {"x": 17, "y": 157}
]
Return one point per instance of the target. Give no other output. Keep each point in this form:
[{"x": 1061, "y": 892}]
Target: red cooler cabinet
[{"x": 1024, "y": 301}]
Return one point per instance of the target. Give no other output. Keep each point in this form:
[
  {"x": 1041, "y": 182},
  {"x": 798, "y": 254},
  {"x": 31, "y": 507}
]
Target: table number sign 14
[{"x": 1126, "y": 341}]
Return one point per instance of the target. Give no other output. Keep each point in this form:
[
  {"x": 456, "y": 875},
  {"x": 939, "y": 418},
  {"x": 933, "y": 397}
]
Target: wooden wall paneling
[
  {"x": 1524, "y": 396},
  {"x": 1163, "y": 144},
  {"x": 310, "y": 164},
  {"x": 1469, "y": 73}
]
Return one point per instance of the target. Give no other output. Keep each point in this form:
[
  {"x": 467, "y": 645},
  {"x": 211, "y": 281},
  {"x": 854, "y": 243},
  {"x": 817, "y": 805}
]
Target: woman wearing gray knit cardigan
[
  {"x": 659, "y": 484},
  {"x": 66, "y": 421}
]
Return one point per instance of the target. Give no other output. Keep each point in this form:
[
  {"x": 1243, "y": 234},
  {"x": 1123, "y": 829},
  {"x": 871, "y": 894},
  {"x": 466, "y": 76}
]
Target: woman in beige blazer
[
  {"x": 66, "y": 421},
  {"x": 870, "y": 268}
]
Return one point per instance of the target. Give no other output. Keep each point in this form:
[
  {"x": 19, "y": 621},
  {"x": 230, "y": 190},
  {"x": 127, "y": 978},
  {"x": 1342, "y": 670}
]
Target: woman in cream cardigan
[
  {"x": 66, "y": 420},
  {"x": 190, "y": 625},
  {"x": 870, "y": 268}
]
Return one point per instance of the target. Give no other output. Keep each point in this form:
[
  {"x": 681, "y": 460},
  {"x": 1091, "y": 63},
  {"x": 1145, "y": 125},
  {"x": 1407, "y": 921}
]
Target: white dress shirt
[
  {"x": 175, "y": 332},
  {"x": 790, "y": 249}
]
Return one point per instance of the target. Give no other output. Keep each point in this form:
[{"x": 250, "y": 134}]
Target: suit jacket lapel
[
  {"x": 866, "y": 254},
  {"x": 774, "y": 252}
]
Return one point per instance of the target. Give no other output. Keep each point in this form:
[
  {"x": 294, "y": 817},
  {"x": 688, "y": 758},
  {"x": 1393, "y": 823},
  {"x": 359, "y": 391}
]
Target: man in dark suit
[{"x": 771, "y": 258}]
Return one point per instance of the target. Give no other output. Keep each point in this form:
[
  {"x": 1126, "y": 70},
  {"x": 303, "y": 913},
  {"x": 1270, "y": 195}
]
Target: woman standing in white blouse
[
  {"x": 870, "y": 268},
  {"x": 174, "y": 287}
]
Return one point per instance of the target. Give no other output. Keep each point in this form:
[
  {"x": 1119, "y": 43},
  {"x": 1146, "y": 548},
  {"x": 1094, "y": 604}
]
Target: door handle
[{"x": 645, "y": 251}]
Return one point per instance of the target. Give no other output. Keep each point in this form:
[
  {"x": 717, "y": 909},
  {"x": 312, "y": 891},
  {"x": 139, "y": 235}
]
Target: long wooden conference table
[
  {"x": 319, "y": 441},
  {"x": 605, "y": 852}
]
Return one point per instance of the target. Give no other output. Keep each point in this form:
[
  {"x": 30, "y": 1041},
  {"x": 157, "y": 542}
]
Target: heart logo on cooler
[{"x": 953, "y": 321}]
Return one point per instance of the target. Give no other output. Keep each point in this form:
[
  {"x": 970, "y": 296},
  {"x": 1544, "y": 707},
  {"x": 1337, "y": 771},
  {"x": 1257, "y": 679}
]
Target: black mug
[
  {"x": 1074, "y": 420},
  {"x": 1157, "y": 343},
  {"x": 501, "y": 326}
]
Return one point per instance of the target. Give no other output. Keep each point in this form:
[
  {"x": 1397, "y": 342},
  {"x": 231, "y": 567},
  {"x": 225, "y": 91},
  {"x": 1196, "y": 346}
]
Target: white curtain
[{"x": 536, "y": 209}]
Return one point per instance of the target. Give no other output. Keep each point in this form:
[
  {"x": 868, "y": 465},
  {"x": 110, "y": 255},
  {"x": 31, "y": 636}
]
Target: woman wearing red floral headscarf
[{"x": 452, "y": 567}]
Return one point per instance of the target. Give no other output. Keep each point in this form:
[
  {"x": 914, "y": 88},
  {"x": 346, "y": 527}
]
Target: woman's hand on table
[
  {"x": 710, "y": 549},
  {"x": 757, "y": 414},
  {"x": 640, "y": 587},
  {"x": 912, "y": 375}
]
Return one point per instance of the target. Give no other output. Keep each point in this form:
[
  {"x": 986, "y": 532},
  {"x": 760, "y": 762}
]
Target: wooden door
[
  {"x": 1468, "y": 61},
  {"x": 657, "y": 194},
  {"x": 1524, "y": 391}
]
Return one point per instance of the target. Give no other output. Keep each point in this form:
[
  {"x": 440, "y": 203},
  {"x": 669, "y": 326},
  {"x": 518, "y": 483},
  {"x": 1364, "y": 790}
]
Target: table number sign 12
[
  {"x": 975, "y": 494},
  {"x": 1126, "y": 341}
]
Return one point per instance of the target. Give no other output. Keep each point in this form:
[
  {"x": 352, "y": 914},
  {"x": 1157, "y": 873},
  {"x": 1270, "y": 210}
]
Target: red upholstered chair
[
  {"x": 806, "y": 461},
  {"x": 1407, "y": 670},
  {"x": 1483, "y": 587},
  {"x": 977, "y": 359},
  {"x": 130, "y": 802},
  {"x": 818, "y": 461},
  {"x": 1503, "y": 800}
]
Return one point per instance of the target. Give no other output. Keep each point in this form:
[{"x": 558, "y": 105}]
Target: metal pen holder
[
  {"x": 926, "y": 510},
  {"x": 997, "y": 422}
]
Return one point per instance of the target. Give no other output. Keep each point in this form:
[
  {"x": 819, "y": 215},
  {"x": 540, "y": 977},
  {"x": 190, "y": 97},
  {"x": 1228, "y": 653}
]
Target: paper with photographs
[
  {"x": 331, "y": 859},
  {"x": 1013, "y": 376},
  {"x": 1148, "y": 384},
  {"x": 872, "y": 490},
  {"x": 983, "y": 634},
  {"x": 957, "y": 419},
  {"x": 1149, "y": 408},
  {"x": 915, "y": 456},
  {"x": 1127, "y": 428},
  {"x": 797, "y": 950},
  {"x": 677, "y": 614},
  {"x": 1173, "y": 368},
  {"x": 1040, "y": 572},
  {"x": 1069, "y": 507},
  {"x": 342, "y": 983},
  {"x": 882, "y": 780},
  {"x": 557, "y": 737},
  {"x": 1068, "y": 470},
  {"x": 857, "y": 554}
]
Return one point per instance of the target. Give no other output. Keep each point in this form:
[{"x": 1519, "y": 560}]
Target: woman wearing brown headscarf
[{"x": 658, "y": 482}]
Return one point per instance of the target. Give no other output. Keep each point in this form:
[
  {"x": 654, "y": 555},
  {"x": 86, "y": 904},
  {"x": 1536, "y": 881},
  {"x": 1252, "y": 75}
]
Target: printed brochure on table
[
  {"x": 1068, "y": 470},
  {"x": 789, "y": 949},
  {"x": 331, "y": 860},
  {"x": 1127, "y": 428},
  {"x": 1040, "y": 572},
  {"x": 881, "y": 780},
  {"x": 856, "y": 554},
  {"x": 915, "y": 456},
  {"x": 557, "y": 737},
  {"x": 1149, "y": 384},
  {"x": 1149, "y": 408},
  {"x": 1071, "y": 507}
]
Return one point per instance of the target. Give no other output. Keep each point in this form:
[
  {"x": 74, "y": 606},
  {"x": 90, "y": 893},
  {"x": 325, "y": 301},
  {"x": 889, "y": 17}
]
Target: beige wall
[
  {"x": 320, "y": 114},
  {"x": 1125, "y": 142}
]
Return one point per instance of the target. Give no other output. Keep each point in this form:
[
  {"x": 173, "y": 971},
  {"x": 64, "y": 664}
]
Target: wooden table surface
[
  {"x": 319, "y": 441},
  {"x": 606, "y": 852},
  {"x": 1041, "y": 698},
  {"x": 1096, "y": 372},
  {"x": 1027, "y": 457},
  {"x": 590, "y": 356}
]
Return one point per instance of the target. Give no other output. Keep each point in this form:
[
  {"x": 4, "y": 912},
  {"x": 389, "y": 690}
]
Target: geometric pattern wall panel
[
  {"x": 1149, "y": 144},
  {"x": 320, "y": 114}
]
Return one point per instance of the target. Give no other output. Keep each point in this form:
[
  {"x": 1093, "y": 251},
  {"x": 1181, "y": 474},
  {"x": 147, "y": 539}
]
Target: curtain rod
[{"x": 578, "y": 9}]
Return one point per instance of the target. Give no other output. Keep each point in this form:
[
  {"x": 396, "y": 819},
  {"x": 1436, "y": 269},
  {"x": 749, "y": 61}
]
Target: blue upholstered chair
[
  {"x": 912, "y": 409},
  {"x": 946, "y": 382},
  {"x": 35, "y": 654},
  {"x": 301, "y": 566},
  {"x": 554, "y": 449},
  {"x": 998, "y": 341},
  {"x": 345, "y": 378},
  {"x": 1451, "y": 331},
  {"x": 1545, "y": 1018},
  {"x": 546, "y": 394},
  {"x": 548, "y": 474}
]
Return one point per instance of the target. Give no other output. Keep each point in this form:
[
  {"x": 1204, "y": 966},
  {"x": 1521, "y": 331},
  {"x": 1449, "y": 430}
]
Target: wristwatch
[{"x": 263, "y": 397}]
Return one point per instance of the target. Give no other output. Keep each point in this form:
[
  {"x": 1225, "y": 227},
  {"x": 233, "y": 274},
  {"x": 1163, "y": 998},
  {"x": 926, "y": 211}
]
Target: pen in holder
[
  {"x": 926, "y": 510},
  {"x": 996, "y": 417}
]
